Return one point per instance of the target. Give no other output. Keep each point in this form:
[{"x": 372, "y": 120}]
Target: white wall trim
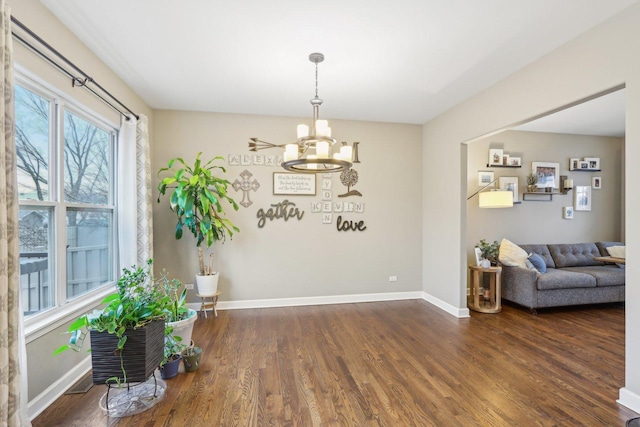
[
  {"x": 321, "y": 300},
  {"x": 455, "y": 311},
  {"x": 629, "y": 399},
  {"x": 57, "y": 389},
  {"x": 338, "y": 299}
]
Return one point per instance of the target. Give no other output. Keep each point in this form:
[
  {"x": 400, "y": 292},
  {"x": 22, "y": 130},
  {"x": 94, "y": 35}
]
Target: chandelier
[{"x": 316, "y": 150}]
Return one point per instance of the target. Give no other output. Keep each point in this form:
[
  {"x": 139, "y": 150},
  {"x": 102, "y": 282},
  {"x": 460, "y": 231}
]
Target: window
[{"x": 67, "y": 201}]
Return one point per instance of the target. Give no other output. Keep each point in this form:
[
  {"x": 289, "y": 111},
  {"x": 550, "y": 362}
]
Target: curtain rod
[{"x": 75, "y": 81}]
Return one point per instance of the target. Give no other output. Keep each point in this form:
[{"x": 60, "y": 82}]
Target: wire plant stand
[{"x": 130, "y": 399}]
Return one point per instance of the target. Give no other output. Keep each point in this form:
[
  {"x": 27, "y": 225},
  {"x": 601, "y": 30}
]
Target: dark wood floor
[{"x": 403, "y": 363}]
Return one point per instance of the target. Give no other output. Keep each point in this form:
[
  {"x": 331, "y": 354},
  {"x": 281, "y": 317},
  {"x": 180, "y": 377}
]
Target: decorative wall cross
[{"x": 246, "y": 185}]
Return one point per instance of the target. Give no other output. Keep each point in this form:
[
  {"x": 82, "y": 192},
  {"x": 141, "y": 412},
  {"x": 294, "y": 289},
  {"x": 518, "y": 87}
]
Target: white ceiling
[{"x": 404, "y": 61}]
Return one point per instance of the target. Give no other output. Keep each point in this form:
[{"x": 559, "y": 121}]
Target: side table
[
  {"x": 490, "y": 300},
  {"x": 209, "y": 304}
]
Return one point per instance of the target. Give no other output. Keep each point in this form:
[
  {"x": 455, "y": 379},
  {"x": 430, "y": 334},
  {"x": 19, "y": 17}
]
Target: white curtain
[
  {"x": 13, "y": 366},
  {"x": 135, "y": 222}
]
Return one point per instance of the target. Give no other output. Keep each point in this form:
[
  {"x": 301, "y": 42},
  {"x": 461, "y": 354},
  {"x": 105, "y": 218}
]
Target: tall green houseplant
[{"x": 196, "y": 199}]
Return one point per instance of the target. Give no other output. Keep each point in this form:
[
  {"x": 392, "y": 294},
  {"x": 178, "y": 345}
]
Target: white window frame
[{"x": 64, "y": 309}]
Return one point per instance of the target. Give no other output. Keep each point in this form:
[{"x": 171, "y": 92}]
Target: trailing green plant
[
  {"x": 488, "y": 250},
  {"x": 138, "y": 300},
  {"x": 195, "y": 199}
]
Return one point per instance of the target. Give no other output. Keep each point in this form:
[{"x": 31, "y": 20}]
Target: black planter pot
[
  {"x": 170, "y": 368},
  {"x": 141, "y": 355}
]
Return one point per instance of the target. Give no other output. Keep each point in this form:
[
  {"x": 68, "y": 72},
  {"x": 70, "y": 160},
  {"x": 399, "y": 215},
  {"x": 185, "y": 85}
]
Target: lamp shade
[{"x": 496, "y": 199}]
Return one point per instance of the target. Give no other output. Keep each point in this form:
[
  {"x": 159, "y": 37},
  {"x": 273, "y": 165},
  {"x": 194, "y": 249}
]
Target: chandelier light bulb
[
  {"x": 322, "y": 149},
  {"x": 303, "y": 131}
]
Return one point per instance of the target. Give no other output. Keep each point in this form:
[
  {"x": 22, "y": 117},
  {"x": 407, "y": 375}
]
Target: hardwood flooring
[{"x": 401, "y": 363}]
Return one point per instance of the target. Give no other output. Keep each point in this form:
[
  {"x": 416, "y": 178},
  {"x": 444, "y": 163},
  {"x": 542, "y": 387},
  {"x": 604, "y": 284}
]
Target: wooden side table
[
  {"x": 209, "y": 304},
  {"x": 490, "y": 300}
]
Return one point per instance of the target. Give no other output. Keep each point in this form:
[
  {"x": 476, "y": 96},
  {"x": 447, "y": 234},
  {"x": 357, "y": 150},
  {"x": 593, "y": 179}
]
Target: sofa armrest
[{"x": 519, "y": 285}]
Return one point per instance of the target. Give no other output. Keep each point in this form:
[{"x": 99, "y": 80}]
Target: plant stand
[
  {"x": 132, "y": 399},
  {"x": 209, "y": 304}
]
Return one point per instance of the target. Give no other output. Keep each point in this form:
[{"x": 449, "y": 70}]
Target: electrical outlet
[
  {"x": 188, "y": 285},
  {"x": 393, "y": 278}
]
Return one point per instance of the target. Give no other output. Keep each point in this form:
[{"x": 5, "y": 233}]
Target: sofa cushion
[
  {"x": 574, "y": 255},
  {"x": 605, "y": 275},
  {"x": 538, "y": 262},
  {"x": 563, "y": 279},
  {"x": 512, "y": 255},
  {"x": 541, "y": 250},
  {"x": 602, "y": 247}
]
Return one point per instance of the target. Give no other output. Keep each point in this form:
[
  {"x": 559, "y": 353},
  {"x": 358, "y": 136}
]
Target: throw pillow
[
  {"x": 530, "y": 266},
  {"x": 617, "y": 251},
  {"x": 538, "y": 262},
  {"x": 512, "y": 255}
]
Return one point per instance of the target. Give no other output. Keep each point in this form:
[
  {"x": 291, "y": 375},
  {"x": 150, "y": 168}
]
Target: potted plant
[
  {"x": 127, "y": 335},
  {"x": 532, "y": 180},
  {"x": 196, "y": 198},
  {"x": 172, "y": 355},
  {"x": 191, "y": 358},
  {"x": 489, "y": 252},
  {"x": 180, "y": 319}
]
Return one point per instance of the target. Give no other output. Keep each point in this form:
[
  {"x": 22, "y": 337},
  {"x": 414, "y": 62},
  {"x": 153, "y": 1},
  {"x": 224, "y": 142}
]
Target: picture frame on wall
[
  {"x": 548, "y": 174},
  {"x": 582, "y": 200},
  {"x": 505, "y": 160},
  {"x": 592, "y": 163},
  {"x": 584, "y": 165},
  {"x": 495, "y": 156},
  {"x": 567, "y": 212},
  {"x": 596, "y": 182},
  {"x": 485, "y": 178},
  {"x": 509, "y": 183},
  {"x": 515, "y": 161},
  {"x": 574, "y": 164}
]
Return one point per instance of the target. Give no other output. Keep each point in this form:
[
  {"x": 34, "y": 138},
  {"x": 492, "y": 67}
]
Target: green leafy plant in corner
[
  {"x": 137, "y": 301},
  {"x": 196, "y": 200},
  {"x": 488, "y": 250}
]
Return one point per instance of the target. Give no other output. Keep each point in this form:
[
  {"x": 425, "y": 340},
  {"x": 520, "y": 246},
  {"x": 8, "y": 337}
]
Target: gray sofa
[{"x": 573, "y": 277}]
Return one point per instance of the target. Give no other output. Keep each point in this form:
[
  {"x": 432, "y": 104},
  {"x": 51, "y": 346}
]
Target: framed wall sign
[{"x": 298, "y": 184}]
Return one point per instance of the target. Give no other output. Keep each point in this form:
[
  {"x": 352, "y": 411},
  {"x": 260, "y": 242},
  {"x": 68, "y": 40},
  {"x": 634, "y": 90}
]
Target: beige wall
[
  {"x": 300, "y": 258},
  {"x": 601, "y": 59},
  {"x": 40, "y": 359},
  {"x": 541, "y": 221}
]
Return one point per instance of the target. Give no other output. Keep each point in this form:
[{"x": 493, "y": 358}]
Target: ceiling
[{"x": 405, "y": 61}]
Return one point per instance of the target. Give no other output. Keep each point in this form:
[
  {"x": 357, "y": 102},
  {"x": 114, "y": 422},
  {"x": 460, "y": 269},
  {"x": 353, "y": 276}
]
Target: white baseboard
[
  {"x": 322, "y": 300},
  {"x": 57, "y": 389},
  {"x": 629, "y": 399},
  {"x": 338, "y": 299},
  {"x": 455, "y": 311}
]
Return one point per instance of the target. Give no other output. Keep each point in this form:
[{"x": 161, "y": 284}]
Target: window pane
[
  {"x": 89, "y": 250},
  {"x": 32, "y": 143},
  {"x": 35, "y": 252},
  {"x": 86, "y": 164}
]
